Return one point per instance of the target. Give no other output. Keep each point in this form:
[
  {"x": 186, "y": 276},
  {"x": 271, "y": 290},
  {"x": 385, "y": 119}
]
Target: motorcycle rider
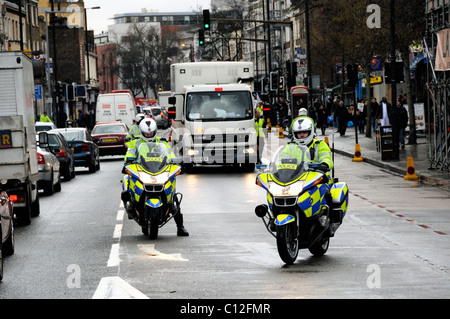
[
  {"x": 303, "y": 133},
  {"x": 148, "y": 129},
  {"x": 134, "y": 129}
]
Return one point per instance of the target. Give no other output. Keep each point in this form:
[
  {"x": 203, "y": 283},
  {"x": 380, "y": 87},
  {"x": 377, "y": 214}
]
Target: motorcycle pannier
[{"x": 339, "y": 197}]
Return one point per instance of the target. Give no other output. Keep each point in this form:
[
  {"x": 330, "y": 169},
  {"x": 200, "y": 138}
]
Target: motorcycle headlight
[
  {"x": 154, "y": 179},
  {"x": 289, "y": 190}
]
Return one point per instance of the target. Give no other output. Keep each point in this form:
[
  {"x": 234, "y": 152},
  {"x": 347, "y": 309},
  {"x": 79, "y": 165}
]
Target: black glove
[{"x": 324, "y": 167}]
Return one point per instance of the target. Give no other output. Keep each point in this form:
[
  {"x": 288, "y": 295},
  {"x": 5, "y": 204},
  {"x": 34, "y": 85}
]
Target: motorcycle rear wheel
[
  {"x": 320, "y": 247},
  {"x": 287, "y": 243}
]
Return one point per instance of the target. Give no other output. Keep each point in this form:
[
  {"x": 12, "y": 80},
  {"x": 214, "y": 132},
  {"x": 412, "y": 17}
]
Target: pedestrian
[
  {"x": 259, "y": 121},
  {"x": 373, "y": 113},
  {"x": 343, "y": 117},
  {"x": 399, "y": 121},
  {"x": 312, "y": 112},
  {"x": 334, "y": 108},
  {"x": 383, "y": 112},
  {"x": 81, "y": 121},
  {"x": 283, "y": 113},
  {"x": 44, "y": 118},
  {"x": 361, "y": 112},
  {"x": 322, "y": 118}
]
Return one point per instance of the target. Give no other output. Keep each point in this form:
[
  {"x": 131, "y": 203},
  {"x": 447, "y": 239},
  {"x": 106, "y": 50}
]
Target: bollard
[{"x": 269, "y": 126}]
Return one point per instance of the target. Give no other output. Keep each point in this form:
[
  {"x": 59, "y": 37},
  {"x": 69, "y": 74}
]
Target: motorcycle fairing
[
  {"x": 339, "y": 195},
  {"x": 154, "y": 202},
  {"x": 312, "y": 200},
  {"x": 283, "y": 219}
]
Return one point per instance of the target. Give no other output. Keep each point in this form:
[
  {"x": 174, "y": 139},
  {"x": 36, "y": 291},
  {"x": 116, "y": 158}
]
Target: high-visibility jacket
[
  {"x": 319, "y": 151},
  {"x": 134, "y": 132},
  {"x": 259, "y": 127},
  {"x": 132, "y": 152}
]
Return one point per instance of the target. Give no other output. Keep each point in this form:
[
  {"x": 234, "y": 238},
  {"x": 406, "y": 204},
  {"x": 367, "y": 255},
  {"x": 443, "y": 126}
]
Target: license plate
[{"x": 109, "y": 140}]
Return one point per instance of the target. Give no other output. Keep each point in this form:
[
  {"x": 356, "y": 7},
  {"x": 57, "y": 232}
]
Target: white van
[{"x": 116, "y": 107}]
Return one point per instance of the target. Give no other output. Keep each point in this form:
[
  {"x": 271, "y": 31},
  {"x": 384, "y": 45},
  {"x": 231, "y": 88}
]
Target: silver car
[{"x": 49, "y": 175}]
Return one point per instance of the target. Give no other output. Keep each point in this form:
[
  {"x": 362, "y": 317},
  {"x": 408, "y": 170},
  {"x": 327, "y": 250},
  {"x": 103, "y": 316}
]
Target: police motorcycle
[
  {"x": 305, "y": 206},
  {"x": 150, "y": 180}
]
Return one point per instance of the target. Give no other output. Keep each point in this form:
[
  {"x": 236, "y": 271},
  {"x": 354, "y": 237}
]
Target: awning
[{"x": 299, "y": 90}]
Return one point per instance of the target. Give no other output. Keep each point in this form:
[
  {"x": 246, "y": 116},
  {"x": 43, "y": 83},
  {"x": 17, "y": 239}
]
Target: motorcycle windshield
[
  {"x": 153, "y": 157},
  {"x": 289, "y": 162}
]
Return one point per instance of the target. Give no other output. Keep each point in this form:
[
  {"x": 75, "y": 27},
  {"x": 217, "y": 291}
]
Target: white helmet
[
  {"x": 302, "y": 112},
  {"x": 139, "y": 117},
  {"x": 303, "y": 125},
  {"x": 148, "y": 129}
]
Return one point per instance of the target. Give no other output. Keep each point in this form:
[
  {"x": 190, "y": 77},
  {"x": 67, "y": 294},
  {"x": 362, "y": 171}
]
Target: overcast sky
[{"x": 98, "y": 20}]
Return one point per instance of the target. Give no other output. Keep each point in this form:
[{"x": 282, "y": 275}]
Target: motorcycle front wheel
[
  {"x": 151, "y": 230},
  {"x": 287, "y": 243}
]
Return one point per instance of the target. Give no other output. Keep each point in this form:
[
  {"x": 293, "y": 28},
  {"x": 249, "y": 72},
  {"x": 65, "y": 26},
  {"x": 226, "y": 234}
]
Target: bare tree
[{"x": 142, "y": 58}]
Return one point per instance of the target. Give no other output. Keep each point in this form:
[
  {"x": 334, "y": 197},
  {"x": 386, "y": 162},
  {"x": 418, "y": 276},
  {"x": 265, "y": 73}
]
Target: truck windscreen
[{"x": 219, "y": 106}]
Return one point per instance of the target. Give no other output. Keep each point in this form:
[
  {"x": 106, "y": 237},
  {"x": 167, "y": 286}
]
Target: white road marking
[
  {"x": 114, "y": 259},
  {"x": 116, "y": 288}
]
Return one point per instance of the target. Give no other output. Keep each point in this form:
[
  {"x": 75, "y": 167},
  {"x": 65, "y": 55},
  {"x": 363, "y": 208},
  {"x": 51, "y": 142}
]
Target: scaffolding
[{"x": 438, "y": 87}]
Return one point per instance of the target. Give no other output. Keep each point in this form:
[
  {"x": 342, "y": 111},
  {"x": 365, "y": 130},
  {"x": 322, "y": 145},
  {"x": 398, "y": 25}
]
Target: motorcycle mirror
[{"x": 261, "y": 167}]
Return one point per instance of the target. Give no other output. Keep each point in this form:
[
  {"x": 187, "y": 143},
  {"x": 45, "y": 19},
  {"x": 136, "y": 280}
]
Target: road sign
[
  {"x": 38, "y": 92},
  {"x": 375, "y": 80}
]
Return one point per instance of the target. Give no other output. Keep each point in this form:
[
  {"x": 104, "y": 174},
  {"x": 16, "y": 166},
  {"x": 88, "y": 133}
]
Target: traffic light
[
  {"x": 273, "y": 81},
  {"x": 399, "y": 77},
  {"x": 352, "y": 75},
  {"x": 281, "y": 83},
  {"x": 70, "y": 92},
  {"x": 201, "y": 37},
  {"x": 291, "y": 67},
  {"x": 206, "y": 19},
  {"x": 160, "y": 88}
]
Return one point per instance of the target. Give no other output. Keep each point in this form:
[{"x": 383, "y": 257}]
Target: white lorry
[
  {"x": 116, "y": 106},
  {"x": 19, "y": 172},
  {"x": 213, "y": 113}
]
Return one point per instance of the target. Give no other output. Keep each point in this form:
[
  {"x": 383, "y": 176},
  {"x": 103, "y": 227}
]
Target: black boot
[{"x": 181, "y": 231}]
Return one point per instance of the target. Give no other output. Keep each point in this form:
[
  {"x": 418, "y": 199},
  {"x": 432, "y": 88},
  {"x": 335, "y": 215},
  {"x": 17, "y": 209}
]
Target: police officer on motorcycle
[
  {"x": 303, "y": 133},
  {"x": 148, "y": 129},
  {"x": 134, "y": 131}
]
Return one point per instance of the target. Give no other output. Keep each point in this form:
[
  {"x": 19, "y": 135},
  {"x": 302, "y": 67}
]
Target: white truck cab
[{"x": 213, "y": 112}]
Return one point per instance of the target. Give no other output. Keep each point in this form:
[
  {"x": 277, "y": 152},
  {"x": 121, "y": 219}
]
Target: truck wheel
[{"x": 35, "y": 207}]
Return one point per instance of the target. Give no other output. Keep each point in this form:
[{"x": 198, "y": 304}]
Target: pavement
[{"x": 346, "y": 145}]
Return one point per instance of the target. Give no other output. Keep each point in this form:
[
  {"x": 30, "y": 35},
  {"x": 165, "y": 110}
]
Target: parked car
[
  {"x": 110, "y": 137},
  {"x": 85, "y": 150},
  {"x": 58, "y": 145},
  {"x": 49, "y": 174},
  {"x": 6, "y": 228},
  {"x": 44, "y": 126}
]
